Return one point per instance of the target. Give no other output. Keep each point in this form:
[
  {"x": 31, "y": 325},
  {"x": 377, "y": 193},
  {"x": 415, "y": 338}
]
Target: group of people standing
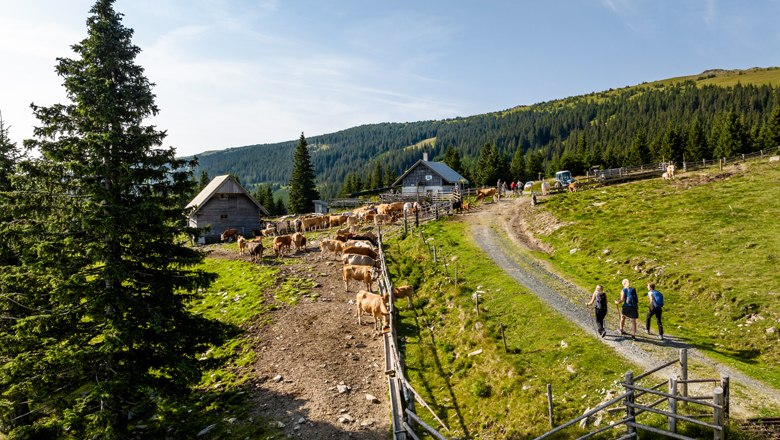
[{"x": 630, "y": 308}]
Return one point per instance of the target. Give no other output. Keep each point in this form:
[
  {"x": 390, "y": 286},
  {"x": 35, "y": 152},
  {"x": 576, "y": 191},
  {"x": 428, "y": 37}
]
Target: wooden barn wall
[
  {"x": 418, "y": 175},
  {"x": 225, "y": 211}
]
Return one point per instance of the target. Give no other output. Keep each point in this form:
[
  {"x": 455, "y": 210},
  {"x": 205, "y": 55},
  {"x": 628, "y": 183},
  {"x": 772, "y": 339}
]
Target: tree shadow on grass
[{"x": 434, "y": 404}]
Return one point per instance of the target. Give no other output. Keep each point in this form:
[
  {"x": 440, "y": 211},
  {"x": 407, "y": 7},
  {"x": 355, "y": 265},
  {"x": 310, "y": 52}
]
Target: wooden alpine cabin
[
  {"x": 221, "y": 205},
  {"x": 426, "y": 178}
]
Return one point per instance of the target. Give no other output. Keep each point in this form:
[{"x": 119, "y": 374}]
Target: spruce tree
[
  {"x": 696, "y": 144},
  {"x": 105, "y": 337},
  {"x": 452, "y": 159},
  {"x": 303, "y": 193},
  {"x": 517, "y": 167}
]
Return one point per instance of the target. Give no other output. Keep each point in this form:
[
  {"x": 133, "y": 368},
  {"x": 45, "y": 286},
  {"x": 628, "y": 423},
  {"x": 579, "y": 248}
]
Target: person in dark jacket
[
  {"x": 656, "y": 308},
  {"x": 630, "y": 310},
  {"x": 600, "y": 299}
]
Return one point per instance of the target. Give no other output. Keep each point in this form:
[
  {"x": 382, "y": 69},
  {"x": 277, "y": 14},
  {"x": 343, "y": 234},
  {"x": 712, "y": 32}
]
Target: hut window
[
  {"x": 428, "y": 177},
  {"x": 223, "y": 217}
]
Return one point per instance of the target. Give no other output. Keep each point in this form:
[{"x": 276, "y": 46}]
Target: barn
[
  {"x": 427, "y": 178},
  {"x": 221, "y": 205}
]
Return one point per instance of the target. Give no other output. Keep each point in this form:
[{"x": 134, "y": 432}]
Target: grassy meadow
[
  {"x": 708, "y": 240},
  {"x": 456, "y": 360}
]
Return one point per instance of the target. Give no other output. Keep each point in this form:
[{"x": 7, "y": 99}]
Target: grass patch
[
  {"x": 456, "y": 360},
  {"x": 709, "y": 241}
]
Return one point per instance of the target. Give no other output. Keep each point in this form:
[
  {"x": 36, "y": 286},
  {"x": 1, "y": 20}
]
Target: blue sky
[{"x": 230, "y": 73}]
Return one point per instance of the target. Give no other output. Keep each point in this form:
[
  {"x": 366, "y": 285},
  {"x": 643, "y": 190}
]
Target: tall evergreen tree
[
  {"x": 377, "y": 177},
  {"x": 534, "y": 165},
  {"x": 9, "y": 155},
  {"x": 771, "y": 134},
  {"x": 731, "y": 138},
  {"x": 452, "y": 159},
  {"x": 639, "y": 152},
  {"x": 517, "y": 166},
  {"x": 696, "y": 143},
  {"x": 303, "y": 192},
  {"x": 488, "y": 166},
  {"x": 105, "y": 335}
]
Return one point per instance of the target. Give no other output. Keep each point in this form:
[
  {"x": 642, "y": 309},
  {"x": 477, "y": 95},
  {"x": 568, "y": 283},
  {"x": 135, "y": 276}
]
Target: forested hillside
[{"x": 718, "y": 113}]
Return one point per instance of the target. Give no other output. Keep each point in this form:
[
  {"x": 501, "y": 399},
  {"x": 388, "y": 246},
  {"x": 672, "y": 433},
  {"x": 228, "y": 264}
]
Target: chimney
[{"x": 425, "y": 156}]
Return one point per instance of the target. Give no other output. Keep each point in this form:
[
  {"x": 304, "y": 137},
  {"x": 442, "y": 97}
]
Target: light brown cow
[
  {"x": 281, "y": 244},
  {"x": 334, "y": 246},
  {"x": 372, "y": 304},
  {"x": 299, "y": 240},
  {"x": 405, "y": 291},
  {"x": 381, "y": 219},
  {"x": 241, "y": 245},
  {"x": 485, "y": 192},
  {"x": 310, "y": 223},
  {"x": 357, "y": 273},
  {"x": 360, "y": 250},
  {"x": 337, "y": 220},
  {"x": 573, "y": 187}
]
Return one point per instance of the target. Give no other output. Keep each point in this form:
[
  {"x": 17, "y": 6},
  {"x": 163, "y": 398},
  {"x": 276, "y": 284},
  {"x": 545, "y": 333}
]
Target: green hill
[{"x": 689, "y": 117}]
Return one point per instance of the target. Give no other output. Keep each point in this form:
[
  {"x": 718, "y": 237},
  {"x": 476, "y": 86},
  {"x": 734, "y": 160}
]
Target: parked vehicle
[
  {"x": 563, "y": 178},
  {"x": 528, "y": 185}
]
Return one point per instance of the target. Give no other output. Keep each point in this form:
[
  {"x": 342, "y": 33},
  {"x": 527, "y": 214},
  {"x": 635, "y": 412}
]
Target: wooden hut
[
  {"x": 221, "y": 205},
  {"x": 426, "y": 178}
]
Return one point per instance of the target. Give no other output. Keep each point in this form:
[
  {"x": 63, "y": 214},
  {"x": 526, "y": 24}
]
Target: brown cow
[
  {"x": 241, "y": 245},
  {"x": 360, "y": 250},
  {"x": 485, "y": 192},
  {"x": 255, "y": 250},
  {"x": 573, "y": 187},
  {"x": 281, "y": 244},
  {"x": 334, "y": 246},
  {"x": 405, "y": 291},
  {"x": 357, "y": 273},
  {"x": 372, "y": 304},
  {"x": 299, "y": 240},
  {"x": 229, "y": 235}
]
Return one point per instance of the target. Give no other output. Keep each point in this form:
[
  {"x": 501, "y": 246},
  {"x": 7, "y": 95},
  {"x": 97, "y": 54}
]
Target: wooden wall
[{"x": 224, "y": 211}]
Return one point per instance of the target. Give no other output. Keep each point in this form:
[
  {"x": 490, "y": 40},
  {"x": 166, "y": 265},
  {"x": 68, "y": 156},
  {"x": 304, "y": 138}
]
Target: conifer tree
[
  {"x": 489, "y": 166},
  {"x": 696, "y": 144},
  {"x": 517, "y": 167},
  {"x": 731, "y": 138},
  {"x": 104, "y": 338},
  {"x": 303, "y": 193},
  {"x": 639, "y": 152},
  {"x": 452, "y": 159},
  {"x": 534, "y": 165}
]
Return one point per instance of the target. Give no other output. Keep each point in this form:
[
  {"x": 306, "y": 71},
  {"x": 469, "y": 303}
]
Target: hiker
[
  {"x": 656, "y": 308},
  {"x": 630, "y": 308},
  {"x": 600, "y": 298}
]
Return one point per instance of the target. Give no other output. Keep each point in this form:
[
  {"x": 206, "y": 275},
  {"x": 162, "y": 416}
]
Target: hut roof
[
  {"x": 442, "y": 169},
  {"x": 225, "y": 184}
]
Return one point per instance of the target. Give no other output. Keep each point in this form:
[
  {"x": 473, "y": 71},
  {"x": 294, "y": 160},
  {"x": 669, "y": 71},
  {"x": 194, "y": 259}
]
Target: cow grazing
[
  {"x": 255, "y": 250},
  {"x": 357, "y": 273},
  {"x": 281, "y": 244},
  {"x": 359, "y": 260},
  {"x": 405, "y": 291},
  {"x": 360, "y": 250},
  {"x": 241, "y": 245},
  {"x": 373, "y": 304},
  {"x": 299, "y": 240},
  {"x": 334, "y": 246},
  {"x": 229, "y": 235}
]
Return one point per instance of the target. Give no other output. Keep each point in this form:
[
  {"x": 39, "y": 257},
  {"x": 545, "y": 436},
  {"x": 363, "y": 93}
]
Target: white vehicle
[{"x": 528, "y": 185}]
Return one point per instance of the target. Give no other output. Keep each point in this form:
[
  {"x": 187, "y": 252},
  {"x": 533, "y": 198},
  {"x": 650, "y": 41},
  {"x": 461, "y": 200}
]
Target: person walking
[
  {"x": 630, "y": 310},
  {"x": 656, "y": 308},
  {"x": 600, "y": 299}
]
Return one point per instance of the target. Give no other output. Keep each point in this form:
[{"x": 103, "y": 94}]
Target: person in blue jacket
[{"x": 656, "y": 308}]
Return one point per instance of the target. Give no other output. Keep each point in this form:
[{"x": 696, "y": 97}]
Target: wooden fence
[
  {"x": 402, "y": 395},
  {"x": 675, "y": 398}
]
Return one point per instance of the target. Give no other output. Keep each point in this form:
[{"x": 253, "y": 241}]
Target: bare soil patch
[{"x": 315, "y": 365}]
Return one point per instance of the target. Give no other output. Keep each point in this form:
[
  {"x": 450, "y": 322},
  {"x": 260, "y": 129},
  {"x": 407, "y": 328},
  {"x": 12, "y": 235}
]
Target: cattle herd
[{"x": 354, "y": 243}]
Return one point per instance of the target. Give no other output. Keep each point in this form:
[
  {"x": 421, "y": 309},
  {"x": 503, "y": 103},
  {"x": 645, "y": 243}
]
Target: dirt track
[{"x": 496, "y": 222}]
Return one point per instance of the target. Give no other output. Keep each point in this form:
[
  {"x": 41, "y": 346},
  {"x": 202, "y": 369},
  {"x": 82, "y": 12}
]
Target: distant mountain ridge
[{"x": 593, "y": 129}]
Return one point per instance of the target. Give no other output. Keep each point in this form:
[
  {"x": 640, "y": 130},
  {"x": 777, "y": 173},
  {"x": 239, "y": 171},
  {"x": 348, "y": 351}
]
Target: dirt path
[
  {"x": 318, "y": 374},
  {"x": 495, "y": 222}
]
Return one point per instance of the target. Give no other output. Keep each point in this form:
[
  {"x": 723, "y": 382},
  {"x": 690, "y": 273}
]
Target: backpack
[
  {"x": 601, "y": 301},
  {"x": 631, "y": 298},
  {"x": 658, "y": 299}
]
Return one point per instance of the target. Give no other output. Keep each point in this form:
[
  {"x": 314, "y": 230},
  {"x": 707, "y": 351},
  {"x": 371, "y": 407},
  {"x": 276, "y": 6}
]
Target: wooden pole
[
  {"x": 724, "y": 383},
  {"x": 476, "y": 302},
  {"x": 684, "y": 371},
  {"x": 550, "y": 405},
  {"x": 456, "y": 273},
  {"x": 406, "y": 224},
  {"x": 629, "y": 402},
  {"x": 717, "y": 416},
  {"x": 672, "y": 421},
  {"x": 503, "y": 337}
]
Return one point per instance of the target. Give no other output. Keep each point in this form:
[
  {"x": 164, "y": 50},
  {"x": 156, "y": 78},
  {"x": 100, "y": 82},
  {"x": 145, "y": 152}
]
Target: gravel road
[{"x": 499, "y": 230}]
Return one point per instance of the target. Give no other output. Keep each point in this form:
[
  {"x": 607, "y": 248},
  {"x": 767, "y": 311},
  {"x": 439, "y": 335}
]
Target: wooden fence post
[
  {"x": 672, "y": 421},
  {"x": 417, "y": 219},
  {"x": 406, "y": 224},
  {"x": 476, "y": 302},
  {"x": 717, "y": 417},
  {"x": 434, "y": 253},
  {"x": 630, "y": 413},
  {"x": 684, "y": 371},
  {"x": 456, "y": 273},
  {"x": 724, "y": 383},
  {"x": 550, "y": 405},
  {"x": 503, "y": 337}
]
